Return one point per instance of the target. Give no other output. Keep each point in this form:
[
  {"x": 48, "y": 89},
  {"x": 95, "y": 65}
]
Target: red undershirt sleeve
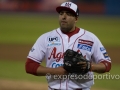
[
  {"x": 31, "y": 66},
  {"x": 107, "y": 65}
]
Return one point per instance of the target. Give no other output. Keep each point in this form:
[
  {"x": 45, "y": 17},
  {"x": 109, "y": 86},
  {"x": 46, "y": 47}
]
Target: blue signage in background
[{"x": 112, "y": 7}]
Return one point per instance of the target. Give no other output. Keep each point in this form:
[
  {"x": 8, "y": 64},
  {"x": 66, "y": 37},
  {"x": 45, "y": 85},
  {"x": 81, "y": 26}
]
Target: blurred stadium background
[
  {"x": 111, "y": 7},
  {"x": 23, "y": 21}
]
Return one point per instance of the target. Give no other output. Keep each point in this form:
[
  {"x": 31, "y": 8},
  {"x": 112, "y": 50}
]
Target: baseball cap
[{"x": 69, "y": 6}]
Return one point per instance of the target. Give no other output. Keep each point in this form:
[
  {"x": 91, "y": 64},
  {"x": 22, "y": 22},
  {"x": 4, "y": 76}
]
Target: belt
[
  {"x": 59, "y": 89},
  {"x": 74, "y": 89}
]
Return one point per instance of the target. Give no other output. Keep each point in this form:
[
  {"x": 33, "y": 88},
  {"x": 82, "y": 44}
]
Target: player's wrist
[{"x": 98, "y": 68}]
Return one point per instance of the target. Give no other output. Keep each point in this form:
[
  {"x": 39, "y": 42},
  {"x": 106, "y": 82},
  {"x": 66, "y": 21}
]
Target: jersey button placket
[{"x": 66, "y": 42}]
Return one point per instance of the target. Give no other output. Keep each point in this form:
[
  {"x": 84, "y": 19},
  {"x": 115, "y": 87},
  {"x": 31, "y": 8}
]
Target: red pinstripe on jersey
[{"x": 77, "y": 38}]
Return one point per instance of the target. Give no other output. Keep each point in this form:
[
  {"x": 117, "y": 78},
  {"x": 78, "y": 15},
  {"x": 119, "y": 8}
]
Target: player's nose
[{"x": 64, "y": 16}]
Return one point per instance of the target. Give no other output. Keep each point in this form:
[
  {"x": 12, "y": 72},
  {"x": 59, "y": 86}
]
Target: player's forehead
[{"x": 66, "y": 11}]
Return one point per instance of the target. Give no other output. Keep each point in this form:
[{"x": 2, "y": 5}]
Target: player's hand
[{"x": 83, "y": 65}]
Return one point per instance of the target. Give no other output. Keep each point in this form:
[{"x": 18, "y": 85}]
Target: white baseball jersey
[{"x": 52, "y": 46}]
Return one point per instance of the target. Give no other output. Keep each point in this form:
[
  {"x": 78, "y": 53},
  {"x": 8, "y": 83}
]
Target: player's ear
[{"x": 76, "y": 19}]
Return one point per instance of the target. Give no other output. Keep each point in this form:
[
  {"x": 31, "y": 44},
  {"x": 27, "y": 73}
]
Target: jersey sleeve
[
  {"x": 99, "y": 52},
  {"x": 38, "y": 50}
]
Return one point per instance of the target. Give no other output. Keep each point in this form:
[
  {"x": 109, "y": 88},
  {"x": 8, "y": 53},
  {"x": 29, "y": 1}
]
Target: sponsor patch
[
  {"x": 84, "y": 47},
  {"x": 105, "y": 55},
  {"x": 102, "y": 49},
  {"x": 54, "y": 44},
  {"x": 53, "y": 39},
  {"x": 55, "y": 65},
  {"x": 86, "y": 42}
]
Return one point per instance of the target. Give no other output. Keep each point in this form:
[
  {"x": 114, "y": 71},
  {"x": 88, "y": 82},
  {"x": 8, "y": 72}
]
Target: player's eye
[
  {"x": 68, "y": 13},
  {"x": 61, "y": 13}
]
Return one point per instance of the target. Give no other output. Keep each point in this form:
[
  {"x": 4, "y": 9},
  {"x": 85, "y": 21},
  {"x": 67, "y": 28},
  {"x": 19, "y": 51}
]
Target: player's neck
[
  {"x": 73, "y": 29},
  {"x": 76, "y": 30}
]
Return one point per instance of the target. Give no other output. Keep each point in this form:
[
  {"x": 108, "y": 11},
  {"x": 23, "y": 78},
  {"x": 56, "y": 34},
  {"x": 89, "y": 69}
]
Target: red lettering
[
  {"x": 57, "y": 56},
  {"x": 52, "y": 53}
]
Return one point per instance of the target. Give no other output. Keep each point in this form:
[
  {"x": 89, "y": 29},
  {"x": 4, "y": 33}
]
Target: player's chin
[
  {"x": 65, "y": 29},
  {"x": 63, "y": 26}
]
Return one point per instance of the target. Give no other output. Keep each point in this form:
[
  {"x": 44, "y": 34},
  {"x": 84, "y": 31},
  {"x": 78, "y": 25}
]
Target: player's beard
[{"x": 65, "y": 27}]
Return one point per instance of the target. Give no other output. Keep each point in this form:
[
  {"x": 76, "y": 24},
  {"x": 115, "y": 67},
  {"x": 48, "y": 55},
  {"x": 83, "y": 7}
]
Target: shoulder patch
[
  {"x": 102, "y": 49},
  {"x": 105, "y": 55}
]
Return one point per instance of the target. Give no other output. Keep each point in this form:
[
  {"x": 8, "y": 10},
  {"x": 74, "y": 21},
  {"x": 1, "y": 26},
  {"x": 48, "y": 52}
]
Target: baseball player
[{"x": 53, "y": 44}]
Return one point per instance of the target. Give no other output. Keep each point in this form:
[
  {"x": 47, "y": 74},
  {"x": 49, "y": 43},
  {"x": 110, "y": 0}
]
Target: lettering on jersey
[
  {"x": 85, "y": 45},
  {"x": 55, "y": 65},
  {"x": 87, "y": 42},
  {"x": 55, "y": 55},
  {"x": 58, "y": 56},
  {"x": 54, "y": 44},
  {"x": 105, "y": 55},
  {"x": 53, "y": 41},
  {"x": 102, "y": 49}
]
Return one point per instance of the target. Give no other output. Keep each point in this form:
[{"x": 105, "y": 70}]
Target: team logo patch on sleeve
[
  {"x": 32, "y": 49},
  {"x": 105, "y": 55},
  {"x": 102, "y": 49},
  {"x": 104, "y": 52},
  {"x": 85, "y": 45}
]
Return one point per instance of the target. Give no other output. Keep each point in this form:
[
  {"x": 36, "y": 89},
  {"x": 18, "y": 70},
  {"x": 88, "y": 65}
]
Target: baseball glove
[{"x": 74, "y": 62}]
